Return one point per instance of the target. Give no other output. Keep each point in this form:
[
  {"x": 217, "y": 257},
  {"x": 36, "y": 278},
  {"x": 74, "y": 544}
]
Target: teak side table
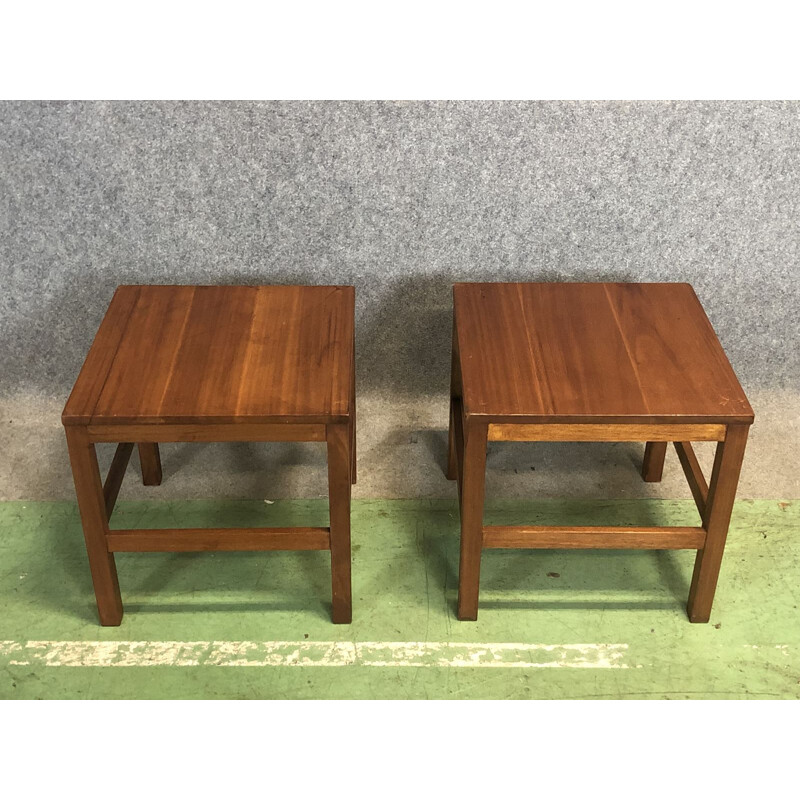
[
  {"x": 586, "y": 362},
  {"x": 214, "y": 364}
]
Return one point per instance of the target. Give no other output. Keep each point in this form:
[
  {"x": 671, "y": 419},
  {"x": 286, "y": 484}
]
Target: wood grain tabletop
[
  {"x": 593, "y": 353},
  {"x": 223, "y": 354}
]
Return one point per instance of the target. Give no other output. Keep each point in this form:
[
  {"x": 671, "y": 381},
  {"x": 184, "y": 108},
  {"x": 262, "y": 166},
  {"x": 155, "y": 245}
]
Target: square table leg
[
  {"x": 473, "y": 480},
  {"x": 150, "y": 460},
  {"x": 653, "y": 464},
  {"x": 91, "y": 502},
  {"x": 339, "y": 489},
  {"x": 716, "y": 519},
  {"x": 452, "y": 462},
  {"x": 455, "y": 395},
  {"x": 353, "y": 419}
]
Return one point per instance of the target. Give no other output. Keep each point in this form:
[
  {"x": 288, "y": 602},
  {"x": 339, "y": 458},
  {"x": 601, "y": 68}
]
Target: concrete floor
[
  {"x": 552, "y": 624},
  {"x": 401, "y": 453}
]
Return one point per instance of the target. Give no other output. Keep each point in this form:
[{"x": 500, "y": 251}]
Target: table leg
[
  {"x": 719, "y": 505},
  {"x": 455, "y": 393},
  {"x": 150, "y": 460},
  {"x": 452, "y": 461},
  {"x": 339, "y": 487},
  {"x": 653, "y": 464},
  {"x": 353, "y": 421},
  {"x": 473, "y": 479},
  {"x": 89, "y": 491}
]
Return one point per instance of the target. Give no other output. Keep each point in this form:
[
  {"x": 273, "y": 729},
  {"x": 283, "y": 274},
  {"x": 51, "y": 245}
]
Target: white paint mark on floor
[
  {"x": 314, "y": 654},
  {"x": 784, "y": 648}
]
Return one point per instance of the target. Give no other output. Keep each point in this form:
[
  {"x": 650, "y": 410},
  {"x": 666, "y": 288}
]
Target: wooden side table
[
  {"x": 214, "y": 364},
  {"x": 586, "y": 362}
]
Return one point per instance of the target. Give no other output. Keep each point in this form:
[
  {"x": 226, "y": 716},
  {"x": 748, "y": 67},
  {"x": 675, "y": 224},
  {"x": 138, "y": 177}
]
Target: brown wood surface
[
  {"x": 455, "y": 409},
  {"x": 455, "y": 442},
  {"x": 716, "y": 519},
  {"x": 208, "y": 364},
  {"x": 91, "y": 502},
  {"x": 473, "y": 479},
  {"x": 174, "y": 540},
  {"x": 593, "y": 362},
  {"x": 452, "y": 457},
  {"x": 353, "y": 458},
  {"x": 457, "y": 424},
  {"x": 219, "y": 354},
  {"x": 694, "y": 475},
  {"x": 213, "y": 432},
  {"x": 150, "y": 462},
  {"x": 605, "y": 432},
  {"x": 97, "y": 364},
  {"x": 116, "y": 473},
  {"x": 339, "y": 488},
  {"x": 592, "y": 352},
  {"x": 653, "y": 462},
  {"x": 593, "y": 537}
]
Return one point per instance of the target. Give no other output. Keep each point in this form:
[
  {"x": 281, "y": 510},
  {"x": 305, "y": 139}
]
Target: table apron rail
[
  {"x": 240, "y": 432},
  {"x": 609, "y": 432},
  {"x": 173, "y": 540},
  {"x": 593, "y": 537}
]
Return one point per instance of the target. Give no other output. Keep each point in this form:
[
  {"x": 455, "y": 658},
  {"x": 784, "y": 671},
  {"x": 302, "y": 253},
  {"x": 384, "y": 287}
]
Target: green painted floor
[{"x": 552, "y": 624}]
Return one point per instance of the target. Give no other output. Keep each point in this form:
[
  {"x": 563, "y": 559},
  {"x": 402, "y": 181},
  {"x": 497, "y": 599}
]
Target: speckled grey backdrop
[{"x": 400, "y": 199}]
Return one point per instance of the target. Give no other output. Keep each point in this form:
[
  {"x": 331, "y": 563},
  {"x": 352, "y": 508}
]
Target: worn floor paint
[
  {"x": 313, "y": 654},
  {"x": 552, "y": 624}
]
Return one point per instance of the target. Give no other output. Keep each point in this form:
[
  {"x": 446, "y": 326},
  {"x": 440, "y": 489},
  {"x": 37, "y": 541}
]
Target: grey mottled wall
[{"x": 400, "y": 199}]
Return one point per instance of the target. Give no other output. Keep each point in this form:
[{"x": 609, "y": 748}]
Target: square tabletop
[
  {"x": 219, "y": 354},
  {"x": 592, "y": 353}
]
